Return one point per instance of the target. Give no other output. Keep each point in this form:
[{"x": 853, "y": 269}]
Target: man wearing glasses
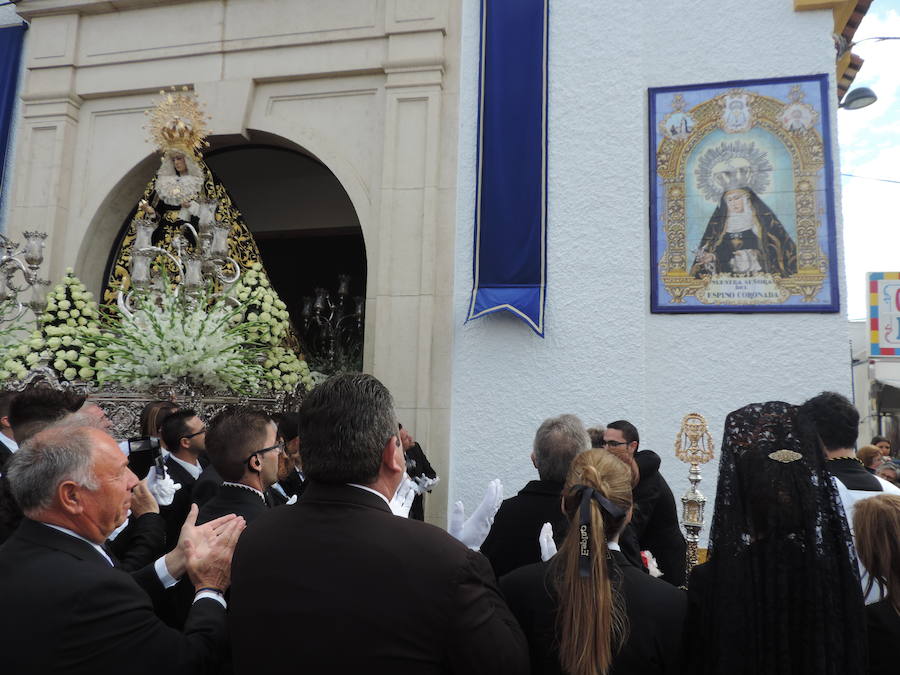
[
  {"x": 184, "y": 435},
  {"x": 655, "y": 518},
  {"x": 243, "y": 448}
]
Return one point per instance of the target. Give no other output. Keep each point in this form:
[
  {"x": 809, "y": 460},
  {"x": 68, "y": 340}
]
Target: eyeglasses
[
  {"x": 278, "y": 446},
  {"x": 613, "y": 444},
  {"x": 196, "y": 433}
]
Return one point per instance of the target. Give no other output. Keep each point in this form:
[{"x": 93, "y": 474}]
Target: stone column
[
  {"x": 47, "y": 136},
  {"x": 411, "y": 345}
]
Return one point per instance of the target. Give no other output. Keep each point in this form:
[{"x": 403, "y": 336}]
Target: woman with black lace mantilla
[{"x": 780, "y": 593}]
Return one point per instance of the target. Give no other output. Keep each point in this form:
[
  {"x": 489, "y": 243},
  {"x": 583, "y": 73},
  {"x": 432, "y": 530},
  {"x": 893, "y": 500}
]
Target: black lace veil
[{"x": 781, "y": 594}]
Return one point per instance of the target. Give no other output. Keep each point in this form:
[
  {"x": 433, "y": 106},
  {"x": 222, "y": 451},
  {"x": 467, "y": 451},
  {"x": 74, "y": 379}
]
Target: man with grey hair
[
  {"x": 365, "y": 590},
  {"x": 66, "y": 606},
  {"x": 513, "y": 540}
]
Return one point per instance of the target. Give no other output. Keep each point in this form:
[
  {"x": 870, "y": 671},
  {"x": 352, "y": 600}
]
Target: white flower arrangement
[
  {"x": 205, "y": 342},
  {"x": 263, "y": 307},
  {"x": 283, "y": 370},
  {"x": 14, "y": 347},
  {"x": 64, "y": 338}
]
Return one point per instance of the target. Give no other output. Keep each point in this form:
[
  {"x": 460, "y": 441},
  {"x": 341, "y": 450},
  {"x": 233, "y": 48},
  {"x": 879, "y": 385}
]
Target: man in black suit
[
  {"x": 8, "y": 444},
  {"x": 185, "y": 437},
  {"x": 243, "y": 449},
  {"x": 513, "y": 540},
  {"x": 367, "y": 591},
  {"x": 291, "y": 481},
  {"x": 66, "y": 607},
  {"x": 655, "y": 519}
]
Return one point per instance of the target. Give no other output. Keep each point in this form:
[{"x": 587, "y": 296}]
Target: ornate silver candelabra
[
  {"x": 693, "y": 445},
  {"x": 195, "y": 269},
  {"x": 27, "y": 263},
  {"x": 332, "y": 328}
]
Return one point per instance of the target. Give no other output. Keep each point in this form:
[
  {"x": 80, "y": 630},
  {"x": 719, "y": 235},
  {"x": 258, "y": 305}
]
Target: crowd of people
[{"x": 251, "y": 542}]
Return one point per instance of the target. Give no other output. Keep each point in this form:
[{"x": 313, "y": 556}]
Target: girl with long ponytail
[{"x": 588, "y": 611}]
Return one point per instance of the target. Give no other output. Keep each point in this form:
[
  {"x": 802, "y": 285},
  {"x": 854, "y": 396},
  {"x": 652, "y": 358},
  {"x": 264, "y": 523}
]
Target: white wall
[
  {"x": 605, "y": 356},
  {"x": 9, "y": 17}
]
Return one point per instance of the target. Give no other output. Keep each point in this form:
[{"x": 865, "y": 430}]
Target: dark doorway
[{"x": 302, "y": 219}]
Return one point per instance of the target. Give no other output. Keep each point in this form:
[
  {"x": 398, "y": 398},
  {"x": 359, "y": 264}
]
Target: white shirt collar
[
  {"x": 193, "y": 469},
  {"x": 368, "y": 489},
  {"x": 8, "y": 442},
  {"x": 279, "y": 490},
  {"x": 247, "y": 487},
  {"x": 613, "y": 546},
  {"x": 69, "y": 532}
]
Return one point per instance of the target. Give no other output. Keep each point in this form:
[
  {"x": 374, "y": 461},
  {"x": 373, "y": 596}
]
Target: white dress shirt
[
  {"x": 8, "y": 442},
  {"x": 368, "y": 489}
]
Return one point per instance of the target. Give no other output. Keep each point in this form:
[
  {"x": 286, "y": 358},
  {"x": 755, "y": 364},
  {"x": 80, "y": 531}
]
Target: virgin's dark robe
[{"x": 777, "y": 251}]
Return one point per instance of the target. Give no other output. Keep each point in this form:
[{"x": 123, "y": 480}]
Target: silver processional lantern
[
  {"x": 332, "y": 328},
  {"x": 19, "y": 273},
  {"x": 195, "y": 269}
]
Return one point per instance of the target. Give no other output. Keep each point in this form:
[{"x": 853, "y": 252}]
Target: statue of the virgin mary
[{"x": 183, "y": 191}]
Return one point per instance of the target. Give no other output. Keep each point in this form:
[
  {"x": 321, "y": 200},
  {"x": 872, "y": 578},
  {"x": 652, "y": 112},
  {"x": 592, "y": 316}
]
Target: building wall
[
  {"x": 605, "y": 357},
  {"x": 367, "y": 87}
]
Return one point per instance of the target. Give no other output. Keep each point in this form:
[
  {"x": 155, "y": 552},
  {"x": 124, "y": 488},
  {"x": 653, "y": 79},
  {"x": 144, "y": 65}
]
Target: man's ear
[
  {"x": 392, "y": 455},
  {"x": 69, "y": 498},
  {"x": 533, "y": 460},
  {"x": 254, "y": 463},
  {"x": 4, "y": 422}
]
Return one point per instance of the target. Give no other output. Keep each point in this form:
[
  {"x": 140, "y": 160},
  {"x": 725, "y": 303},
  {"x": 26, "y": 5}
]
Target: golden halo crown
[{"x": 178, "y": 122}]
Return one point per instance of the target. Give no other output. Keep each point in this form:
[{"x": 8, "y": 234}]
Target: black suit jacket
[
  {"x": 175, "y": 513},
  {"x": 656, "y": 613},
  {"x": 231, "y": 499},
  {"x": 367, "y": 591},
  {"x": 513, "y": 539},
  {"x": 417, "y": 464},
  {"x": 884, "y": 636},
  {"x": 655, "y": 519},
  {"x": 141, "y": 543},
  {"x": 5, "y": 455},
  {"x": 207, "y": 485},
  {"x": 66, "y": 610}
]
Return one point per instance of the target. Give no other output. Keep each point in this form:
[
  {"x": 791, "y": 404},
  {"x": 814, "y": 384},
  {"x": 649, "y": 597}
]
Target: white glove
[
  {"x": 545, "y": 539},
  {"x": 403, "y": 497},
  {"x": 474, "y": 531},
  {"x": 162, "y": 489},
  {"x": 425, "y": 484}
]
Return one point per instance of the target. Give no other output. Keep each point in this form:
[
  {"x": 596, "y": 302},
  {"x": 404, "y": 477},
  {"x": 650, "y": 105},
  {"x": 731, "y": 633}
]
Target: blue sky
[{"x": 869, "y": 140}]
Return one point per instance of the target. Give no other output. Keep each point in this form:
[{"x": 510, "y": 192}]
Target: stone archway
[{"x": 302, "y": 218}]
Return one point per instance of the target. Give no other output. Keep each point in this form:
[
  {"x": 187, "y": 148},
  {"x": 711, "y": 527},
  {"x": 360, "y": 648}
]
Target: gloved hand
[
  {"x": 545, "y": 539},
  {"x": 425, "y": 484},
  {"x": 403, "y": 497},
  {"x": 474, "y": 531},
  {"x": 162, "y": 489}
]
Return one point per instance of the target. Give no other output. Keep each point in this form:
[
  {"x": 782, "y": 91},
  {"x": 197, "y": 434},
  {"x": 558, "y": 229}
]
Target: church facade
[{"x": 384, "y": 95}]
